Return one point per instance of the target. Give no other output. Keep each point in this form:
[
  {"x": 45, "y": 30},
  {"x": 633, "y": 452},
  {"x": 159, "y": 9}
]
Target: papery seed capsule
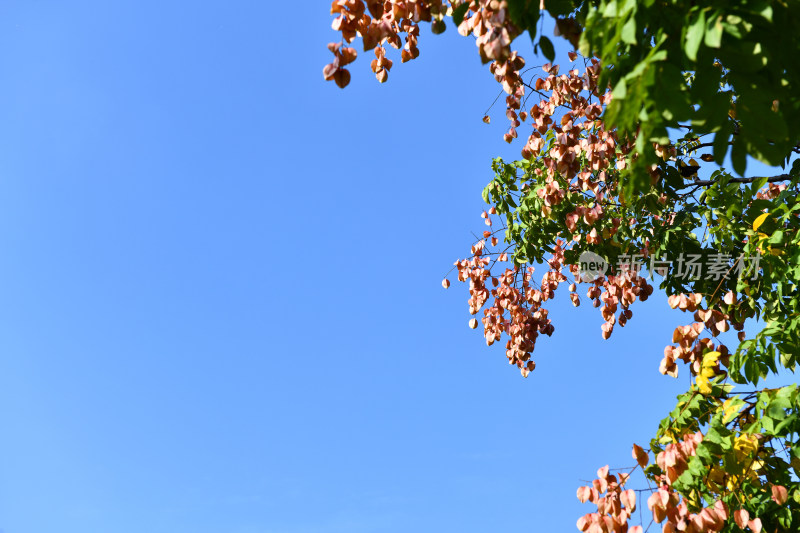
[
  {"x": 473, "y": 323},
  {"x": 445, "y": 283}
]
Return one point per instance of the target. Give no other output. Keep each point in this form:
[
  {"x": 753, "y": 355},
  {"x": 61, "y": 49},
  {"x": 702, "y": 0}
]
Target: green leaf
[
  {"x": 739, "y": 157},
  {"x": 524, "y": 15},
  {"x": 611, "y": 10},
  {"x": 696, "y": 467},
  {"x": 775, "y": 411},
  {"x": 704, "y": 453},
  {"x": 777, "y": 238},
  {"x": 795, "y": 168},
  {"x": 713, "y": 37},
  {"x": 628, "y": 33},
  {"x": 786, "y": 422},
  {"x": 620, "y": 90},
  {"x": 459, "y": 12},
  {"x": 721, "y": 143},
  {"x": 554, "y": 7},
  {"x": 694, "y": 35},
  {"x": 714, "y": 437},
  {"x": 547, "y": 48}
]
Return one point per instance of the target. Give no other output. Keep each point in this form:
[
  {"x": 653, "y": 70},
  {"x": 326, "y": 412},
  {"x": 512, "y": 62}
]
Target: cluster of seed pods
[
  {"x": 579, "y": 158},
  {"x": 517, "y": 306},
  {"x": 512, "y": 302},
  {"x": 691, "y": 347},
  {"x": 381, "y": 22},
  {"x": 615, "y": 505},
  {"x": 616, "y": 293},
  {"x": 667, "y": 506},
  {"x": 582, "y": 146},
  {"x": 771, "y": 191},
  {"x": 572, "y": 109},
  {"x": 586, "y": 155}
]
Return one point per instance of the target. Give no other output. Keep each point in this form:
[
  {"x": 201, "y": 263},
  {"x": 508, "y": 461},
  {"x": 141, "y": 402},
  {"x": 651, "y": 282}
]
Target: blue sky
[{"x": 220, "y": 307}]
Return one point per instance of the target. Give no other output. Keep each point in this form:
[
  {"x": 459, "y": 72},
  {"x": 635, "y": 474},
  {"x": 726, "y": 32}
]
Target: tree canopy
[{"x": 607, "y": 196}]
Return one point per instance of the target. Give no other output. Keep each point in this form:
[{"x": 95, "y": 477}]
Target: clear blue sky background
[{"x": 220, "y": 300}]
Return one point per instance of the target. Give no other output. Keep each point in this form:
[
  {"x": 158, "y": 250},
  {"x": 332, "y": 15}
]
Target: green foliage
[
  {"x": 615, "y": 175},
  {"x": 750, "y": 443},
  {"x": 725, "y": 68},
  {"x": 726, "y": 71},
  {"x": 750, "y": 440},
  {"x": 723, "y": 75}
]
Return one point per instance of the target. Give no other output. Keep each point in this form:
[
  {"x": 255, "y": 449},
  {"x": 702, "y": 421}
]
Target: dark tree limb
[{"x": 704, "y": 183}]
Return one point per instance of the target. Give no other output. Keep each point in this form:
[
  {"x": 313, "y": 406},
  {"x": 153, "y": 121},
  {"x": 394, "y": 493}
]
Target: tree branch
[{"x": 703, "y": 183}]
